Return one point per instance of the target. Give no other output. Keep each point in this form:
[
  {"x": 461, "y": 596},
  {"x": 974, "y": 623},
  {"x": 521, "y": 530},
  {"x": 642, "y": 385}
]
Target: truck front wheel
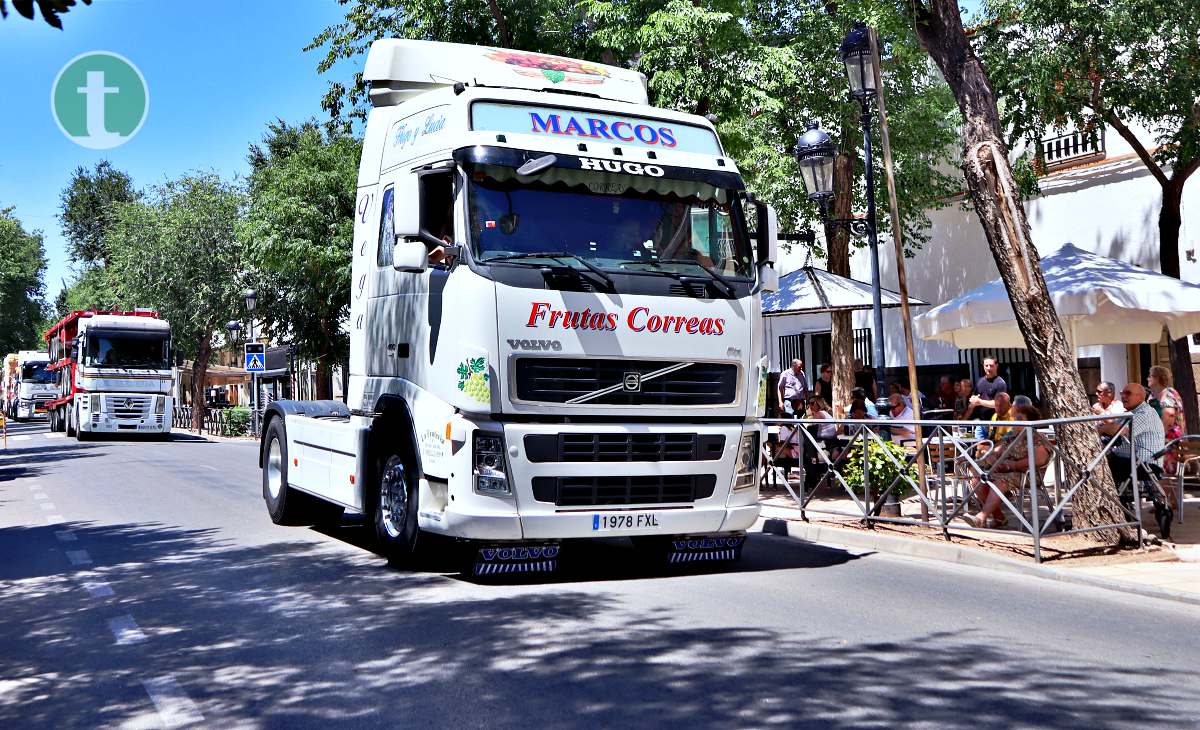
[
  {"x": 284, "y": 504},
  {"x": 395, "y": 508}
]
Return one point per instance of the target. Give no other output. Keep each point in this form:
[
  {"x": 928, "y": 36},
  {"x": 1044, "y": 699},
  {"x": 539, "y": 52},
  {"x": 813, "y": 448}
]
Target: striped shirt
[{"x": 1148, "y": 435}]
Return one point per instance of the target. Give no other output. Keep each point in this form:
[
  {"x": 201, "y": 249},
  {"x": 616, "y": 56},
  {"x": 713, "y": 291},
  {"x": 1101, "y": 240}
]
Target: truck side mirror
[
  {"x": 767, "y": 238},
  {"x": 409, "y": 255}
]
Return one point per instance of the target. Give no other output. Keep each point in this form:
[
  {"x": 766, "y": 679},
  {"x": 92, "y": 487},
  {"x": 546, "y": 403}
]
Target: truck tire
[
  {"x": 53, "y": 420},
  {"x": 285, "y": 505},
  {"x": 393, "y": 507}
]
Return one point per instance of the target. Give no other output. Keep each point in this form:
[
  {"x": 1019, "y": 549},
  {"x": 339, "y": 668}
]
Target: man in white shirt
[
  {"x": 793, "y": 387},
  {"x": 900, "y": 411},
  {"x": 1106, "y": 400}
]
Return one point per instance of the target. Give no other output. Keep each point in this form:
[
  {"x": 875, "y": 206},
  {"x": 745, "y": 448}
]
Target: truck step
[
  {"x": 496, "y": 560},
  {"x": 701, "y": 548}
]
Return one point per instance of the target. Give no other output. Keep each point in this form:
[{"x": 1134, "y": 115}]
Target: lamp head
[
  {"x": 814, "y": 155},
  {"x": 855, "y": 53}
]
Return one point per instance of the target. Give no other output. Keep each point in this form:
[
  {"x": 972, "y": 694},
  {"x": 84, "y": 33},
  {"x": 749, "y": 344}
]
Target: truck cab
[
  {"x": 555, "y": 319},
  {"x": 34, "y": 385}
]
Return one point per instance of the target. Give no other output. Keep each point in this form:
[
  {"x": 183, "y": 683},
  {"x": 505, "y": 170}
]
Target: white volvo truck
[
  {"x": 555, "y": 322},
  {"x": 33, "y": 385},
  {"x": 115, "y": 370}
]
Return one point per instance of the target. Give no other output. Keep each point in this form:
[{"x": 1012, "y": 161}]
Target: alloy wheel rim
[
  {"x": 393, "y": 497},
  {"x": 275, "y": 470}
]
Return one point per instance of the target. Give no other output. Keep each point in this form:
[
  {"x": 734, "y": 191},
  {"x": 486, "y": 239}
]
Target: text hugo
[{"x": 639, "y": 319}]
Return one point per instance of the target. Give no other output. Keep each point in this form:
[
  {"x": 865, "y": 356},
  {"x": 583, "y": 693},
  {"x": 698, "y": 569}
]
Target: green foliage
[
  {"x": 883, "y": 470},
  {"x": 22, "y": 266},
  {"x": 89, "y": 290},
  {"x": 50, "y": 9},
  {"x": 86, "y": 209},
  {"x": 237, "y": 421},
  {"x": 177, "y": 253},
  {"x": 1060, "y": 63},
  {"x": 298, "y": 231}
]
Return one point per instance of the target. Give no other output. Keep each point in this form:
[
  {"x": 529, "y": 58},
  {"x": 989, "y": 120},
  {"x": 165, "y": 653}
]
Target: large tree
[
  {"x": 298, "y": 229},
  {"x": 1121, "y": 64},
  {"x": 994, "y": 194},
  {"x": 177, "y": 252},
  {"x": 86, "y": 210},
  {"x": 22, "y": 266}
]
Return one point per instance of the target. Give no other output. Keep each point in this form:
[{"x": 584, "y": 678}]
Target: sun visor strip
[{"x": 510, "y": 157}]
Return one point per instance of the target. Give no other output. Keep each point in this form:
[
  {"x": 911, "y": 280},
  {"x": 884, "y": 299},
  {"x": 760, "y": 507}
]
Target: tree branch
[
  {"x": 1138, "y": 147},
  {"x": 501, "y": 25}
]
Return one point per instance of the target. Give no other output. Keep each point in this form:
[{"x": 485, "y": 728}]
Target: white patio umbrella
[
  {"x": 1100, "y": 301},
  {"x": 811, "y": 290}
]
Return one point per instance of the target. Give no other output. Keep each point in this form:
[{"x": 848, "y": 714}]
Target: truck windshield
[
  {"x": 36, "y": 373},
  {"x": 616, "y": 222},
  {"x": 127, "y": 350}
]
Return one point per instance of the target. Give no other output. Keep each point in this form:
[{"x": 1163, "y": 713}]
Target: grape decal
[{"x": 473, "y": 379}]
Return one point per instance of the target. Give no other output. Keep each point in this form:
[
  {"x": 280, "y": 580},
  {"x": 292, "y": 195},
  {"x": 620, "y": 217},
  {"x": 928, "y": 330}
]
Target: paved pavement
[{"x": 144, "y": 585}]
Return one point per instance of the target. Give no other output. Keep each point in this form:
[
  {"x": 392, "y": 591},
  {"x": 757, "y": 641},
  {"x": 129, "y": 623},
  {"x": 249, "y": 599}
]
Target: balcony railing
[{"x": 1071, "y": 149}]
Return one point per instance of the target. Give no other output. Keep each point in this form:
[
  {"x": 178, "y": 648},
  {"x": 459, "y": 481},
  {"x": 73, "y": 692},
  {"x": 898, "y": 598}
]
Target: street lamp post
[{"x": 250, "y": 298}]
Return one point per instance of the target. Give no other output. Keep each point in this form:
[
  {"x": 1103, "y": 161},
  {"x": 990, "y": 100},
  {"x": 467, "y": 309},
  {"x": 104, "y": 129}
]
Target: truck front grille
[
  {"x": 623, "y": 490},
  {"x": 632, "y": 383},
  {"x": 128, "y": 406},
  {"x": 623, "y": 447}
]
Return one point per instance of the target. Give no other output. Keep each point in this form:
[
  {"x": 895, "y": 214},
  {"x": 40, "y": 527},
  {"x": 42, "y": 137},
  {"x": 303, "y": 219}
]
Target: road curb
[{"x": 951, "y": 553}]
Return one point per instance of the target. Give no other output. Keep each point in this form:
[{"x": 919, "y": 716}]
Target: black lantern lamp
[
  {"x": 860, "y": 62},
  {"x": 814, "y": 155},
  {"x": 250, "y": 298},
  {"x": 234, "y": 327}
]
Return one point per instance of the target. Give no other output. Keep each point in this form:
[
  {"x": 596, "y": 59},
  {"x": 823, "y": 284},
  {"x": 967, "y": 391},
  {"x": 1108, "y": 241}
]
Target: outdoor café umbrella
[
  {"x": 810, "y": 290},
  {"x": 1101, "y": 301}
]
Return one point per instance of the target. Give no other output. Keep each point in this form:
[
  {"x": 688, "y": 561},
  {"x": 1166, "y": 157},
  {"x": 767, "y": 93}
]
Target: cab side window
[{"x": 383, "y": 255}]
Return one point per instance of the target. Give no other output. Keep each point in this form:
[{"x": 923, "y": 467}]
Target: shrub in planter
[
  {"x": 237, "y": 421},
  {"x": 882, "y": 468}
]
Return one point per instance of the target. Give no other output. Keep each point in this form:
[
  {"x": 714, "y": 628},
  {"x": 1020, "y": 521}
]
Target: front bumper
[
  {"x": 472, "y": 515},
  {"x": 141, "y": 420}
]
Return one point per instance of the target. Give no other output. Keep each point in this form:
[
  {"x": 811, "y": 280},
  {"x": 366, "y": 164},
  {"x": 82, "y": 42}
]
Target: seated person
[
  {"x": 1007, "y": 467},
  {"x": 860, "y": 395},
  {"x": 787, "y": 453},
  {"x": 1003, "y": 413},
  {"x": 899, "y": 410},
  {"x": 1149, "y": 436},
  {"x": 962, "y": 403}
]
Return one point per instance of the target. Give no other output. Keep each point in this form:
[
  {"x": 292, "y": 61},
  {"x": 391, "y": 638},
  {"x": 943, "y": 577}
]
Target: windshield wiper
[
  {"x": 555, "y": 255},
  {"x": 657, "y": 263}
]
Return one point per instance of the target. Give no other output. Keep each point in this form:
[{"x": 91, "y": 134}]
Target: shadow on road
[
  {"x": 30, "y": 461},
  {"x": 294, "y": 634}
]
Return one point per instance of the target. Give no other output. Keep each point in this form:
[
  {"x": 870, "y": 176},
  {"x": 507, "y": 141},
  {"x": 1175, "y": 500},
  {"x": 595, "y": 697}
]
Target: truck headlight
[
  {"x": 160, "y": 404},
  {"x": 488, "y": 457},
  {"x": 745, "y": 471},
  {"x": 94, "y": 402}
]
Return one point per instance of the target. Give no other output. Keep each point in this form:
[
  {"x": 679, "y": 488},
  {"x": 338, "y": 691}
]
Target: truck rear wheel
[
  {"x": 394, "y": 507},
  {"x": 285, "y": 505}
]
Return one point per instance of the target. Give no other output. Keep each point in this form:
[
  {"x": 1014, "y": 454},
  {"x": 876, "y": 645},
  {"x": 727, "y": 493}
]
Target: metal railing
[
  {"x": 1071, "y": 148},
  {"x": 945, "y": 493},
  {"x": 218, "y": 421}
]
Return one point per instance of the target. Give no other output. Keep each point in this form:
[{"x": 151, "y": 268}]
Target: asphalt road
[{"x": 143, "y": 585}]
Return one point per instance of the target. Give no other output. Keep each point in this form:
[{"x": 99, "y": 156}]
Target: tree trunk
[
  {"x": 324, "y": 378},
  {"x": 1170, "y": 218},
  {"x": 501, "y": 26},
  {"x": 993, "y": 192},
  {"x": 841, "y": 335},
  {"x": 199, "y": 372}
]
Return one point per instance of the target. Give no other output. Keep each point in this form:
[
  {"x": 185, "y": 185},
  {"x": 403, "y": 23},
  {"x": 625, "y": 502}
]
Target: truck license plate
[{"x": 625, "y": 521}]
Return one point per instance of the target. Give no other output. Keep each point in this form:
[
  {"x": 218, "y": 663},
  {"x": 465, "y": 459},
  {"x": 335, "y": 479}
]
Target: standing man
[
  {"x": 793, "y": 387},
  {"x": 984, "y": 400}
]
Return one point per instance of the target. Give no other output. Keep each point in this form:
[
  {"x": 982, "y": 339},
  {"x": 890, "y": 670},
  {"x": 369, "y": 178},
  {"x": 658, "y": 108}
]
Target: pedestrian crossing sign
[{"x": 256, "y": 357}]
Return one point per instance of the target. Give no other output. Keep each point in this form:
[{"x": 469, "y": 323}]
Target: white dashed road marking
[
  {"x": 97, "y": 588},
  {"x": 66, "y": 536},
  {"x": 22, "y": 437},
  {"x": 173, "y": 705},
  {"x": 79, "y": 557},
  {"x": 55, "y": 436},
  {"x": 125, "y": 630},
  {"x": 55, "y": 519},
  {"x": 39, "y": 496},
  {"x": 48, "y": 506}
]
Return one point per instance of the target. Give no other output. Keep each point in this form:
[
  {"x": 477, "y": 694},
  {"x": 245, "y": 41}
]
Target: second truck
[{"x": 555, "y": 323}]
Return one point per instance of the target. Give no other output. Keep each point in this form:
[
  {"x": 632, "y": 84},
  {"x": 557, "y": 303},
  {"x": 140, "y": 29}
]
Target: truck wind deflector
[{"x": 515, "y": 158}]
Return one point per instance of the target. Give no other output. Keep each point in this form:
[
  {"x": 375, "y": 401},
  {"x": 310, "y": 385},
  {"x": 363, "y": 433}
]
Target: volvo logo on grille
[{"x": 632, "y": 383}]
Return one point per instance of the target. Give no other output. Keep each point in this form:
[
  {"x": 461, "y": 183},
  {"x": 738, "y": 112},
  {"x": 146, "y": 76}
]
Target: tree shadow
[
  {"x": 16, "y": 463},
  {"x": 293, "y": 634}
]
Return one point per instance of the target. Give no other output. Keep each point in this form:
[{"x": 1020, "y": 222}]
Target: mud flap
[
  {"x": 500, "y": 559},
  {"x": 697, "y": 548}
]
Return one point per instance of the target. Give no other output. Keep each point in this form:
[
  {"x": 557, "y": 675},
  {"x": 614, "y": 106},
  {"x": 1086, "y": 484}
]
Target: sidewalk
[{"x": 1168, "y": 570}]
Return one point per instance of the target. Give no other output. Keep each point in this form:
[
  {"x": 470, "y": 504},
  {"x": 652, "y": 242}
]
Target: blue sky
[{"x": 218, "y": 71}]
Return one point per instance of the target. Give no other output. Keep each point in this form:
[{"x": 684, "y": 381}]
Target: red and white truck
[{"x": 115, "y": 373}]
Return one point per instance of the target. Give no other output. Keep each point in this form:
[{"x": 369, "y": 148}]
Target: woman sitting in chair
[{"x": 1008, "y": 466}]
